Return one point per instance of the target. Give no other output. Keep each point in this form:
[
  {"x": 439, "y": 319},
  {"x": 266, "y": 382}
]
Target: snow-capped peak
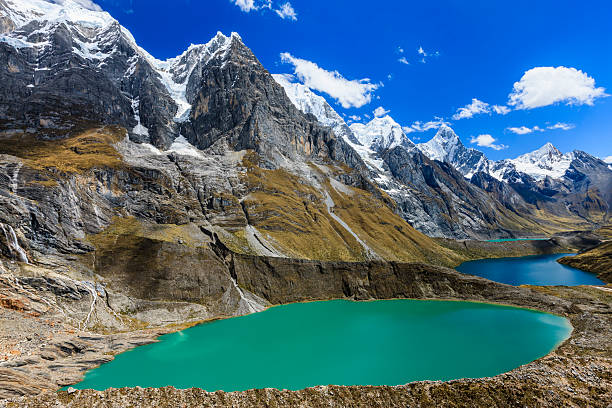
[
  {"x": 175, "y": 72},
  {"x": 446, "y": 146},
  {"x": 546, "y": 153},
  {"x": 22, "y": 12},
  {"x": 308, "y": 102},
  {"x": 446, "y": 133},
  {"x": 547, "y": 161},
  {"x": 381, "y": 133},
  {"x": 443, "y": 145}
]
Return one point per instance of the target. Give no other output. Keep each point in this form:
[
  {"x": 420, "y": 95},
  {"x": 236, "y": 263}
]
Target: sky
[{"x": 507, "y": 76}]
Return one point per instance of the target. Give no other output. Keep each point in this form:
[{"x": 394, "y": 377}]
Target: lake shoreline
[{"x": 545, "y": 299}]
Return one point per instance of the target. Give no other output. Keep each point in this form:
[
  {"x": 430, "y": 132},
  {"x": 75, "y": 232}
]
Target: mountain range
[
  {"x": 536, "y": 193},
  {"x": 95, "y": 130}
]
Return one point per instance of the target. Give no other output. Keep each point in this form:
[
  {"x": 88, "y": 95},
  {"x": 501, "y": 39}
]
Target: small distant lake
[
  {"x": 529, "y": 270},
  {"x": 339, "y": 342}
]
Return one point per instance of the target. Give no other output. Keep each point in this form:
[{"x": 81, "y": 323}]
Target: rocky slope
[
  {"x": 146, "y": 283},
  {"x": 574, "y": 375},
  {"x": 445, "y": 146},
  {"x": 444, "y": 189},
  {"x": 596, "y": 260}
]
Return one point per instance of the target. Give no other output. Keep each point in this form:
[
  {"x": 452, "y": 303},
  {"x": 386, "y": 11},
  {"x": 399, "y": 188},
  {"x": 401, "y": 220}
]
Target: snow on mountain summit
[
  {"x": 381, "y": 133},
  {"x": 308, "y": 102},
  {"x": 547, "y": 161},
  {"x": 446, "y": 146},
  {"x": 22, "y": 12}
]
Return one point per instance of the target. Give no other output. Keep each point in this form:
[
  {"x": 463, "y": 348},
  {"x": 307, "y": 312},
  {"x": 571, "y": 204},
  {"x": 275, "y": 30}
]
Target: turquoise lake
[
  {"x": 529, "y": 270},
  {"x": 339, "y": 342}
]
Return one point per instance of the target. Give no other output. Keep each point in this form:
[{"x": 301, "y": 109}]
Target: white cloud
[
  {"x": 523, "y": 130},
  {"x": 487, "y": 141},
  {"x": 389, "y": 77},
  {"x": 286, "y": 11},
  {"x": 562, "y": 126},
  {"x": 419, "y": 126},
  {"x": 400, "y": 50},
  {"x": 500, "y": 109},
  {"x": 348, "y": 93},
  {"x": 474, "y": 108},
  {"x": 543, "y": 86},
  {"x": 354, "y": 118},
  {"x": 403, "y": 60},
  {"x": 88, "y": 4},
  {"x": 245, "y": 5},
  {"x": 608, "y": 159},
  {"x": 477, "y": 107},
  {"x": 380, "y": 111},
  {"x": 424, "y": 54}
]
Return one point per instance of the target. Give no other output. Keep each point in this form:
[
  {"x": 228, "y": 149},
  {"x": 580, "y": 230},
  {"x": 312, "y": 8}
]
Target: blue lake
[{"x": 539, "y": 270}]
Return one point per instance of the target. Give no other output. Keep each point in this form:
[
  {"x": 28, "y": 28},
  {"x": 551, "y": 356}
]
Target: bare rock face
[{"x": 239, "y": 102}]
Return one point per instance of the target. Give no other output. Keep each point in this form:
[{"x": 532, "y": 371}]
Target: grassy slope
[
  {"x": 292, "y": 214},
  {"x": 53, "y": 159},
  {"x": 597, "y": 260},
  {"x": 285, "y": 208}
]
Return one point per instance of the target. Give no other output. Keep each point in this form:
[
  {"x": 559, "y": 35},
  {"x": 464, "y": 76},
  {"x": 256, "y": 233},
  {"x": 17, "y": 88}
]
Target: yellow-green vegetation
[
  {"x": 384, "y": 231},
  {"x": 293, "y": 214},
  {"x": 605, "y": 232},
  {"x": 188, "y": 234},
  {"x": 473, "y": 249},
  {"x": 597, "y": 260},
  {"x": 76, "y": 154}
]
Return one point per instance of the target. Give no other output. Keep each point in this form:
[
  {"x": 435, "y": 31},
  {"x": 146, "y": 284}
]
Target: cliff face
[{"x": 145, "y": 283}]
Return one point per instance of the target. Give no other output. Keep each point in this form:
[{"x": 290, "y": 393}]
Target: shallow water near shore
[
  {"x": 385, "y": 342},
  {"x": 537, "y": 270}
]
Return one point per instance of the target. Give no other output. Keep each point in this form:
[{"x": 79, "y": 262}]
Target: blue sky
[{"x": 470, "y": 49}]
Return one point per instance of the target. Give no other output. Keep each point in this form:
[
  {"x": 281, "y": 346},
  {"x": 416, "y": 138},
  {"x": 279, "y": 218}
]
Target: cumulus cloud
[
  {"x": 500, "y": 109},
  {"x": 523, "y": 130},
  {"x": 419, "y": 126},
  {"x": 286, "y": 11},
  {"x": 543, "y": 86},
  {"x": 487, "y": 141},
  {"x": 380, "y": 111},
  {"x": 245, "y": 5},
  {"x": 348, "y": 93},
  {"x": 478, "y": 107},
  {"x": 562, "y": 126},
  {"x": 474, "y": 108}
]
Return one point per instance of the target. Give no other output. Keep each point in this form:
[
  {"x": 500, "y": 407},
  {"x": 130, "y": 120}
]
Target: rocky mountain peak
[
  {"x": 446, "y": 146},
  {"x": 546, "y": 152},
  {"x": 446, "y": 134},
  {"x": 381, "y": 133},
  {"x": 310, "y": 103}
]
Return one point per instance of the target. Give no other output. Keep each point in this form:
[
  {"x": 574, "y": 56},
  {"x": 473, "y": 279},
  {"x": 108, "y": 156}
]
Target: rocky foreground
[{"x": 46, "y": 352}]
